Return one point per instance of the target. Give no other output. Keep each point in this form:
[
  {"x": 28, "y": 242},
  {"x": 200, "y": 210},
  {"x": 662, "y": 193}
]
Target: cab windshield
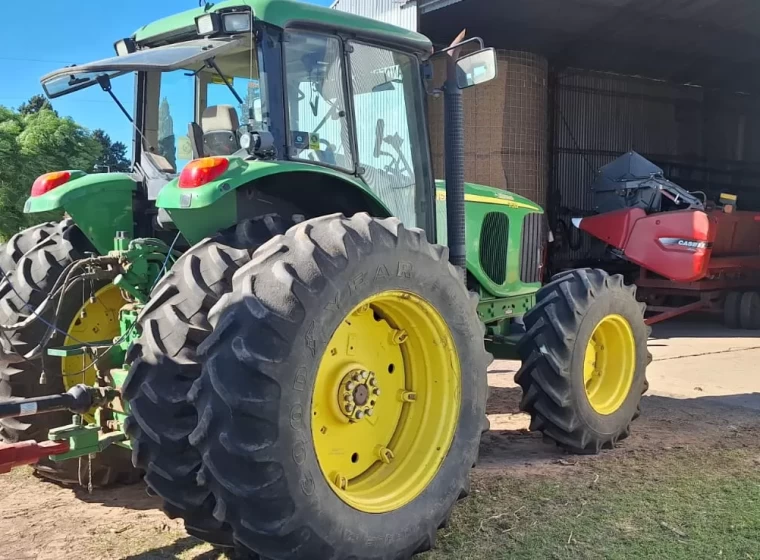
[
  {"x": 196, "y": 113},
  {"x": 198, "y": 96}
]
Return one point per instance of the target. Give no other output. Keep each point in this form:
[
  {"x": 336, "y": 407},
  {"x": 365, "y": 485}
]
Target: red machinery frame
[{"x": 699, "y": 255}]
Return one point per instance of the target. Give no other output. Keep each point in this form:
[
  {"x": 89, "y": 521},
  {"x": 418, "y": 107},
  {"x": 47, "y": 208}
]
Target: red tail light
[
  {"x": 201, "y": 171},
  {"x": 49, "y": 181}
]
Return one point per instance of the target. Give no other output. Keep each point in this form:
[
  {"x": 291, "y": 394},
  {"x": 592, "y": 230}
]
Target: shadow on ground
[
  {"x": 666, "y": 423},
  {"x": 173, "y": 551}
]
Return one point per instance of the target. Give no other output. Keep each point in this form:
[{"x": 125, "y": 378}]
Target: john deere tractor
[{"x": 279, "y": 315}]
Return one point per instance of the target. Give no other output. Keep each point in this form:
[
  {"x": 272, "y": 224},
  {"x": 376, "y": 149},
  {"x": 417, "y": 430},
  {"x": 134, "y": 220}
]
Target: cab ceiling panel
[{"x": 715, "y": 43}]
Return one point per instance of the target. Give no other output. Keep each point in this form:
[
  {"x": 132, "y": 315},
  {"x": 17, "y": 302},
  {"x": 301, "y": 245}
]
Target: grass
[{"x": 673, "y": 505}]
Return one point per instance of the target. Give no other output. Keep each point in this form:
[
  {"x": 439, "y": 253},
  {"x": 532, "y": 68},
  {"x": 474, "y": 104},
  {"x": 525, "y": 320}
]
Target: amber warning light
[
  {"x": 201, "y": 171},
  {"x": 49, "y": 181}
]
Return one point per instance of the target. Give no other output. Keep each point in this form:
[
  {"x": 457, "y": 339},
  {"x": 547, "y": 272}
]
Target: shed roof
[{"x": 713, "y": 43}]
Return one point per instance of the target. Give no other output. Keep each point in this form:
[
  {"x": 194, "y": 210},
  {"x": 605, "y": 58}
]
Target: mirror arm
[{"x": 457, "y": 46}]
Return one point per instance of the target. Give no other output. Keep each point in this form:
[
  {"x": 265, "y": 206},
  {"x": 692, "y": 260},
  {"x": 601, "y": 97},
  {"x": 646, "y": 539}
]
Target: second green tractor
[{"x": 280, "y": 318}]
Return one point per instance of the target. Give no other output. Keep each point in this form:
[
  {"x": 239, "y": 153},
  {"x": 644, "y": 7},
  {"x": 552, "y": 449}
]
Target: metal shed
[{"x": 582, "y": 81}]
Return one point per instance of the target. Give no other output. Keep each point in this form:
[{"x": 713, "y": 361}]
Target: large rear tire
[
  {"x": 584, "y": 360},
  {"x": 318, "y": 323},
  {"x": 21, "y": 291},
  {"x": 164, "y": 365},
  {"x": 18, "y": 245}
]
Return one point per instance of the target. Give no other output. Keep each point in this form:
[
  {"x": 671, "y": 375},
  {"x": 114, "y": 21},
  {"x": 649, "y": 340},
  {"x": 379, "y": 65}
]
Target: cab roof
[{"x": 285, "y": 14}]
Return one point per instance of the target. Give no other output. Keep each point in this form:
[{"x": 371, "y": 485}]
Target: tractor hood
[{"x": 160, "y": 59}]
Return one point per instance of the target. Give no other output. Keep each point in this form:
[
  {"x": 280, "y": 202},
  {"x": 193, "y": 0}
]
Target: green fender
[
  {"x": 202, "y": 211},
  {"x": 100, "y": 204}
]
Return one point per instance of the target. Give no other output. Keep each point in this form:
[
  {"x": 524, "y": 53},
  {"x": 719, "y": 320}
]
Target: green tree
[
  {"x": 113, "y": 156},
  {"x": 35, "y": 104},
  {"x": 33, "y": 143},
  {"x": 166, "y": 141}
]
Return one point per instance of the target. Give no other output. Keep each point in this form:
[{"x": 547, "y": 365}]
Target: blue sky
[{"x": 55, "y": 33}]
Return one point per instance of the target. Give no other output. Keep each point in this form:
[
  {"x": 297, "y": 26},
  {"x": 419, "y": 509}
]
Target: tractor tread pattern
[
  {"x": 238, "y": 395},
  {"x": 546, "y": 351},
  {"x": 21, "y": 243},
  {"x": 164, "y": 364}
]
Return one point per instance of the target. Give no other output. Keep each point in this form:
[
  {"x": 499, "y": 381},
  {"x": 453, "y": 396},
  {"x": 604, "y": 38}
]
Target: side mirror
[{"x": 476, "y": 68}]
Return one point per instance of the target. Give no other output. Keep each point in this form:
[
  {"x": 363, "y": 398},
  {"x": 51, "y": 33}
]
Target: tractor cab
[{"x": 234, "y": 85}]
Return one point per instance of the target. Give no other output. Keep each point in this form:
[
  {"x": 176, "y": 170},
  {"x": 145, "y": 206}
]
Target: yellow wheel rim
[
  {"x": 386, "y": 402},
  {"x": 96, "y": 321},
  {"x": 609, "y": 364}
]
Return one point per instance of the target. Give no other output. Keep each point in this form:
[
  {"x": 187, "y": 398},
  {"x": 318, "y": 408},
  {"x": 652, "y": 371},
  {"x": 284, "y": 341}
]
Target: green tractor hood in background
[{"x": 100, "y": 204}]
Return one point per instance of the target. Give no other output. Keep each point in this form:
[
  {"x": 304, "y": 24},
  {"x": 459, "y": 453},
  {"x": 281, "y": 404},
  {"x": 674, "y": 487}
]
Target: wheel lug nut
[
  {"x": 376, "y": 392},
  {"x": 351, "y": 386},
  {"x": 372, "y": 381},
  {"x": 349, "y": 407},
  {"x": 359, "y": 414},
  {"x": 370, "y": 412}
]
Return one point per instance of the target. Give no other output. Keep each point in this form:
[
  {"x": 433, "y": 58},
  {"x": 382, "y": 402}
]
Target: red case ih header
[{"x": 687, "y": 248}]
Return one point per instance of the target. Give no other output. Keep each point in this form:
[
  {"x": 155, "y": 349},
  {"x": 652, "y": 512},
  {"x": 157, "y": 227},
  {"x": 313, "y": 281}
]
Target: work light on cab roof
[{"x": 230, "y": 22}]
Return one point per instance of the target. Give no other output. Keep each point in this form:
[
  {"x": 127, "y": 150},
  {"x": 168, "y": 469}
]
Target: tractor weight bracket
[{"x": 82, "y": 440}]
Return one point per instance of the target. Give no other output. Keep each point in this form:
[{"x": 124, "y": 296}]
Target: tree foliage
[
  {"x": 113, "y": 155},
  {"x": 35, "y": 104},
  {"x": 166, "y": 142},
  {"x": 36, "y": 140}
]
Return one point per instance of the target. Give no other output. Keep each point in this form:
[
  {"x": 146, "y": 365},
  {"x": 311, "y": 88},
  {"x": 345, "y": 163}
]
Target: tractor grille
[
  {"x": 493, "y": 246},
  {"x": 531, "y": 252}
]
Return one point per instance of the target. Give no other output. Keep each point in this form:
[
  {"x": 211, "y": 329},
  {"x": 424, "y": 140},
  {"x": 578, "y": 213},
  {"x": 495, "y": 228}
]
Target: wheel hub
[
  {"x": 609, "y": 364},
  {"x": 386, "y": 401},
  {"x": 358, "y": 394}
]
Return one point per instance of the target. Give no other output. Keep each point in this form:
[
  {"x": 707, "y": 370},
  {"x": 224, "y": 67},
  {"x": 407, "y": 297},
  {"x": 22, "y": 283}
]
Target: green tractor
[{"x": 277, "y": 315}]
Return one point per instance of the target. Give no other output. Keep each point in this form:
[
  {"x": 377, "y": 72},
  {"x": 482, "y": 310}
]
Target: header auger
[{"x": 282, "y": 324}]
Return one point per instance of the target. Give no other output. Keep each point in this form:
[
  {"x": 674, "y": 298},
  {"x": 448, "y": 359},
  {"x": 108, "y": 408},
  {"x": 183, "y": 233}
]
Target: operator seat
[{"x": 220, "y": 124}]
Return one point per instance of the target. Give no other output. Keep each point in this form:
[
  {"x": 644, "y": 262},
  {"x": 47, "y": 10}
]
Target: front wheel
[
  {"x": 343, "y": 393},
  {"x": 584, "y": 360}
]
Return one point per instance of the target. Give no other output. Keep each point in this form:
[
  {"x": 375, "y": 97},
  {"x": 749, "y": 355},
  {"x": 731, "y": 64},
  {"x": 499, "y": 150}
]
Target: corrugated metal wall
[
  {"x": 397, "y": 12},
  {"x": 505, "y": 127},
  {"x": 697, "y": 136}
]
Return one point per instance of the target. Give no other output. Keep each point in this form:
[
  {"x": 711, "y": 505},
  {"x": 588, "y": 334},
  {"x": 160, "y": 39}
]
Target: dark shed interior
[{"x": 675, "y": 80}]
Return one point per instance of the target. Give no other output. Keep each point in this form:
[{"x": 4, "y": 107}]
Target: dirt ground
[{"x": 704, "y": 395}]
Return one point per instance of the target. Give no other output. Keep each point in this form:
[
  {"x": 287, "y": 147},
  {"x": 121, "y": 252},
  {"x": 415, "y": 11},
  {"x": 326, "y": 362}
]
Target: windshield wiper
[
  {"x": 105, "y": 83},
  {"x": 211, "y": 63}
]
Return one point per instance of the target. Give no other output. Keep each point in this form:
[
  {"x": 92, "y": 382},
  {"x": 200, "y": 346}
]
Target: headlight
[
  {"x": 207, "y": 24},
  {"x": 236, "y": 22}
]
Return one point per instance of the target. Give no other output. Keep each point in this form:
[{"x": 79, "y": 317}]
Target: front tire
[
  {"x": 339, "y": 303},
  {"x": 584, "y": 359}
]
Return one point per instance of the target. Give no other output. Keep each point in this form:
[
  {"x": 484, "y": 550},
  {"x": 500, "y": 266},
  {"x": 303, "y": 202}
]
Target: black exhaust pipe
[{"x": 454, "y": 157}]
